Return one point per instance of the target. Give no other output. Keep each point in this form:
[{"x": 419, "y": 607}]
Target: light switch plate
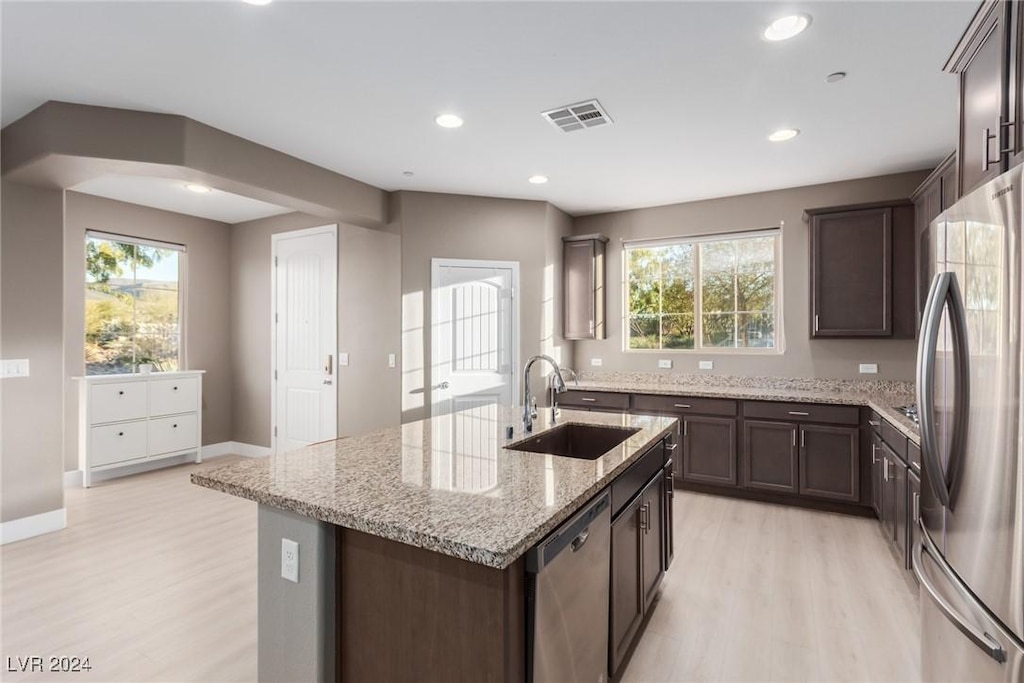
[
  {"x": 392, "y": 360},
  {"x": 707, "y": 365},
  {"x": 596, "y": 362},
  {"x": 16, "y": 367},
  {"x": 342, "y": 359},
  {"x": 869, "y": 368},
  {"x": 289, "y": 560},
  {"x": 664, "y": 363}
]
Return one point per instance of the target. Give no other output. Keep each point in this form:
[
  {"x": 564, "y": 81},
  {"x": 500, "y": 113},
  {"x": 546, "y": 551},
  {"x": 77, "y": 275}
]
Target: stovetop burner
[{"x": 910, "y": 411}]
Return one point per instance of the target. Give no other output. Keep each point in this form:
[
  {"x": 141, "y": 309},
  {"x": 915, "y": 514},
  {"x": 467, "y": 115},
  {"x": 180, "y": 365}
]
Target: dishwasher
[{"x": 567, "y": 589}]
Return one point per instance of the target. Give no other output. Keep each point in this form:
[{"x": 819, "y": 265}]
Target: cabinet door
[
  {"x": 583, "y": 277},
  {"x": 709, "y": 450},
  {"x": 769, "y": 456},
  {"x": 877, "y": 463},
  {"x": 652, "y": 539},
  {"x": 626, "y": 593},
  {"x": 888, "y": 517},
  {"x": 667, "y": 521},
  {"x": 914, "y": 516},
  {"x": 902, "y": 512},
  {"x": 950, "y": 186},
  {"x": 982, "y": 100},
  {"x": 830, "y": 462},
  {"x": 851, "y": 273},
  {"x": 927, "y": 205}
]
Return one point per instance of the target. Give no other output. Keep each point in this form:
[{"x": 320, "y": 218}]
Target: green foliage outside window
[
  {"x": 131, "y": 307},
  {"x": 723, "y": 288}
]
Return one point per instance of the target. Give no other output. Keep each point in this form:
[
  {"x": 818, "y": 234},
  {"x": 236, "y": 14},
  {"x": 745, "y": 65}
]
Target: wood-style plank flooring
[{"x": 155, "y": 580}]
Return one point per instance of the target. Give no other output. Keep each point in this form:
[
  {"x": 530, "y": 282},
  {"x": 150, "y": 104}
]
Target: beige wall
[
  {"x": 458, "y": 226},
  {"x": 207, "y": 289},
  {"x": 31, "y": 324},
  {"x": 802, "y": 357},
  {"x": 368, "y": 325}
]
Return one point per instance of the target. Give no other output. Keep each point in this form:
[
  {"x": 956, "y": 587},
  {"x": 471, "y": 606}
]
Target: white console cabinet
[{"x": 130, "y": 419}]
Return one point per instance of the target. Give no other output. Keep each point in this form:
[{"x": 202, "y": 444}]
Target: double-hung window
[
  {"x": 714, "y": 292},
  {"x": 133, "y": 304}
]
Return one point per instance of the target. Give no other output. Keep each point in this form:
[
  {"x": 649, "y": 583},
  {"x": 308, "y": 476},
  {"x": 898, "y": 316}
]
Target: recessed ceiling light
[
  {"x": 198, "y": 189},
  {"x": 257, "y": 2},
  {"x": 538, "y": 179},
  {"x": 408, "y": 174},
  {"x": 835, "y": 77},
  {"x": 785, "y": 28},
  {"x": 448, "y": 120},
  {"x": 784, "y": 134}
]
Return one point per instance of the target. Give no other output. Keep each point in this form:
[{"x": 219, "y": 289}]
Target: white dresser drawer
[
  {"x": 117, "y": 401},
  {"x": 170, "y": 396},
  {"x": 116, "y": 443},
  {"x": 168, "y": 434}
]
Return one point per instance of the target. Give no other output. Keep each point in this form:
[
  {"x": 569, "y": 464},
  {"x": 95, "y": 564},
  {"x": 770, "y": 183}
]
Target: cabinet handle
[
  {"x": 1010, "y": 147},
  {"x": 874, "y": 458},
  {"x": 917, "y": 507},
  {"x": 816, "y": 322},
  {"x": 793, "y": 432},
  {"x": 985, "y": 138},
  {"x": 686, "y": 426},
  {"x": 643, "y": 517},
  {"x": 681, "y": 405},
  {"x": 588, "y": 400},
  {"x": 885, "y": 469},
  {"x": 671, "y": 446},
  {"x": 874, "y": 424},
  {"x": 799, "y": 412},
  {"x": 803, "y": 435}
]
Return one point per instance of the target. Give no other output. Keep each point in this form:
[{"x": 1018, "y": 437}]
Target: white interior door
[
  {"x": 474, "y": 322},
  {"x": 305, "y": 291}
]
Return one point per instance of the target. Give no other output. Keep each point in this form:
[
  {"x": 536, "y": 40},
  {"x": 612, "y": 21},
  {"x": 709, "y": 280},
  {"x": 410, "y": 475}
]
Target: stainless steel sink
[{"x": 586, "y": 442}]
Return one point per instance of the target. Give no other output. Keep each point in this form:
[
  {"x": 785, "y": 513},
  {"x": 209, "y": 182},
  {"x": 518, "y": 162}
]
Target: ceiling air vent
[{"x": 589, "y": 114}]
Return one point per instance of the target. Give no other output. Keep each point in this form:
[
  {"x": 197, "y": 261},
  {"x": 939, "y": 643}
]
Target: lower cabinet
[
  {"x": 770, "y": 456},
  {"x": 709, "y": 450},
  {"x": 876, "y": 474},
  {"x": 894, "y": 515},
  {"x": 830, "y": 462},
  {"x": 668, "y": 527},
  {"x": 637, "y": 566},
  {"x": 914, "y": 521}
]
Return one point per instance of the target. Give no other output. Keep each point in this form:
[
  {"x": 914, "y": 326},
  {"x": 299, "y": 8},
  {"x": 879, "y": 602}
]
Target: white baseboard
[
  {"x": 73, "y": 479},
  {"x": 36, "y": 525},
  {"x": 235, "y": 448}
]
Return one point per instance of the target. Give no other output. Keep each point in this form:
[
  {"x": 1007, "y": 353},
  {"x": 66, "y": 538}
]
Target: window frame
[
  {"x": 182, "y": 250},
  {"x": 696, "y": 241}
]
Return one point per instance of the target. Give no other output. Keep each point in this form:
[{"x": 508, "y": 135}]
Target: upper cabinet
[
  {"x": 988, "y": 61},
  {"x": 936, "y": 194},
  {"x": 862, "y": 266},
  {"x": 583, "y": 271}
]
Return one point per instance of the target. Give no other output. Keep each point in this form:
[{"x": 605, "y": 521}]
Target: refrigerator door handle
[
  {"x": 961, "y": 408},
  {"x": 983, "y": 640}
]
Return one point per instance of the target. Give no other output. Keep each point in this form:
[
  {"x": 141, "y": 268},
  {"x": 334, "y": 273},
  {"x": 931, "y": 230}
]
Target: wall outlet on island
[
  {"x": 596, "y": 362},
  {"x": 664, "y": 363},
  {"x": 289, "y": 560},
  {"x": 706, "y": 365},
  {"x": 869, "y": 368}
]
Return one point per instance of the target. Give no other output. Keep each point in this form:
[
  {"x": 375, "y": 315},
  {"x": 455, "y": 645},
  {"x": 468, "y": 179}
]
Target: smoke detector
[{"x": 589, "y": 114}]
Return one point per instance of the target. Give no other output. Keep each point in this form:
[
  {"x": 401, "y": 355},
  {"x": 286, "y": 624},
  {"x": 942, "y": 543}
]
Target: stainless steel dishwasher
[{"x": 567, "y": 592}]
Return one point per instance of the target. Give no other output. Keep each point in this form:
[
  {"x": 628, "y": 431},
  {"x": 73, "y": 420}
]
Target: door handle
[
  {"x": 329, "y": 367},
  {"x": 443, "y": 385},
  {"x": 983, "y": 640}
]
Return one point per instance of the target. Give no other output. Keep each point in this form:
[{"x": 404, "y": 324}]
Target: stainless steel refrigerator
[{"x": 970, "y": 562}]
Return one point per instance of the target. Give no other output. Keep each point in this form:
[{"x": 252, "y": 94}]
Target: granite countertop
[
  {"x": 445, "y": 484},
  {"x": 880, "y": 395}
]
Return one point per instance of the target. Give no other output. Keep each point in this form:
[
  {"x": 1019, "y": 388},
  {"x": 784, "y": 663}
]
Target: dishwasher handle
[{"x": 578, "y": 542}]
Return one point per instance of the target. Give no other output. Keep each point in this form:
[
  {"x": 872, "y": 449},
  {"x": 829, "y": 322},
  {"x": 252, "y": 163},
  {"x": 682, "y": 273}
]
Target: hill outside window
[
  {"x": 704, "y": 293},
  {"x": 133, "y": 304}
]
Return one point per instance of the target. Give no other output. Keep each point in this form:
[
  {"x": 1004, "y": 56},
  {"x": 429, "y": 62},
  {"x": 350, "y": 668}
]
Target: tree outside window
[{"x": 131, "y": 306}]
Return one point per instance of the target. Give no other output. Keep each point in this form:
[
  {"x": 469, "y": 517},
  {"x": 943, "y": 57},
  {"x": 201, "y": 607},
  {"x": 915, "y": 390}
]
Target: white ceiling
[
  {"x": 171, "y": 195},
  {"x": 354, "y": 87}
]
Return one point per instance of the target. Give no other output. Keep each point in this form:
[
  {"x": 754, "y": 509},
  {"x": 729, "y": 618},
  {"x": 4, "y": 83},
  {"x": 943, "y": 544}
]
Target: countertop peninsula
[{"x": 445, "y": 484}]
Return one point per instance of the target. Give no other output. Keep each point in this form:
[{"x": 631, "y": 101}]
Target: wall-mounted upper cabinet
[
  {"x": 988, "y": 62},
  {"x": 583, "y": 269},
  {"x": 937, "y": 193},
  {"x": 862, "y": 269}
]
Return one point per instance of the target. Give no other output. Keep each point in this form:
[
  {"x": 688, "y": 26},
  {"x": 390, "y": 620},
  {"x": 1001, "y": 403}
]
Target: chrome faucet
[{"x": 529, "y": 413}]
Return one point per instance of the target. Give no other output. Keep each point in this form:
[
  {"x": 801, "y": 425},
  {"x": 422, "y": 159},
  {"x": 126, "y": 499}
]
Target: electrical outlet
[
  {"x": 342, "y": 359},
  {"x": 707, "y": 365},
  {"x": 17, "y": 367},
  {"x": 664, "y": 363},
  {"x": 392, "y": 360},
  {"x": 869, "y": 368},
  {"x": 289, "y": 560},
  {"x": 596, "y": 362}
]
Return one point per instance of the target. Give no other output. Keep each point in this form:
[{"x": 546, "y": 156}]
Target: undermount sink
[{"x": 586, "y": 442}]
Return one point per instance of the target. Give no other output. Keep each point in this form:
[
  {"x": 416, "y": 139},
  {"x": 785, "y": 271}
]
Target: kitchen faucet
[{"x": 559, "y": 387}]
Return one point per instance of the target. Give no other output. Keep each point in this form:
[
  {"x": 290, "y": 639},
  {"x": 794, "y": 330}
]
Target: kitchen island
[{"x": 412, "y": 542}]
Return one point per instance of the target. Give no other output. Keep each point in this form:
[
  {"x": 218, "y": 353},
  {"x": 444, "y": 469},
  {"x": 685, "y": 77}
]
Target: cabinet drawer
[
  {"x": 113, "y": 443},
  {"x": 802, "y": 412},
  {"x": 895, "y": 439},
  {"x": 682, "y": 404},
  {"x": 875, "y": 422},
  {"x": 117, "y": 401},
  {"x": 914, "y": 455},
  {"x": 169, "y": 396},
  {"x": 168, "y": 434},
  {"x": 594, "y": 399}
]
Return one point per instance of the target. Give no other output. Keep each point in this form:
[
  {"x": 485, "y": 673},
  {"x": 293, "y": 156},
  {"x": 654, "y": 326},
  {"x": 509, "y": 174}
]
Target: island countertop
[{"x": 446, "y": 484}]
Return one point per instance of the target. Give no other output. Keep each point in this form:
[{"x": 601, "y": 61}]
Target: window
[
  {"x": 701, "y": 293},
  {"x": 132, "y": 304}
]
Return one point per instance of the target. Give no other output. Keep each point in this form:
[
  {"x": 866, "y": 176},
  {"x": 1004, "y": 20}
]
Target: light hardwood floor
[{"x": 155, "y": 580}]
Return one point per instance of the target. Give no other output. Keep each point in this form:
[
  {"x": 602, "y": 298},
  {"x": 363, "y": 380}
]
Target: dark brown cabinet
[
  {"x": 668, "y": 526},
  {"x": 894, "y": 501},
  {"x": 876, "y": 474},
  {"x": 830, "y": 462},
  {"x": 914, "y": 515},
  {"x": 862, "y": 268},
  {"x": 770, "y": 456},
  {"x": 652, "y": 564},
  {"x": 709, "y": 450},
  {"x": 936, "y": 194},
  {"x": 583, "y": 294}
]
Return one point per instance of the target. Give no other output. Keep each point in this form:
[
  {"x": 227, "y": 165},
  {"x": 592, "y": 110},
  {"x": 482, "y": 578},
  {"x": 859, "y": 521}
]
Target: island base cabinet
[{"x": 409, "y": 614}]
